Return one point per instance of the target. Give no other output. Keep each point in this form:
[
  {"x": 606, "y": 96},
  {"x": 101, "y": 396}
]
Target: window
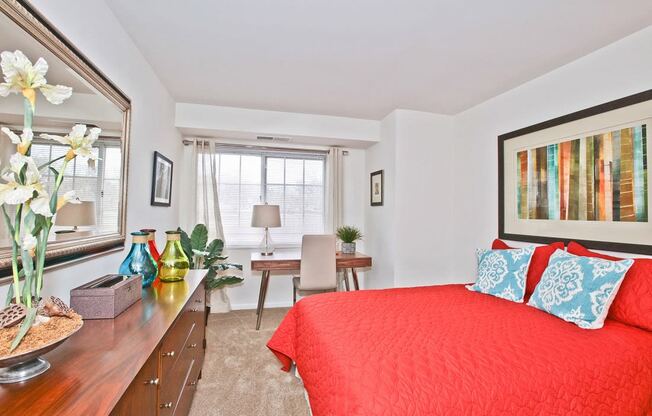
[
  {"x": 294, "y": 181},
  {"x": 101, "y": 184}
]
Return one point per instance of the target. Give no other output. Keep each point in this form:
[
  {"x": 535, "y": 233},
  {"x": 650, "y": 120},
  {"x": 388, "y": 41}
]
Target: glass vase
[
  {"x": 173, "y": 261},
  {"x": 151, "y": 243},
  {"x": 139, "y": 260}
]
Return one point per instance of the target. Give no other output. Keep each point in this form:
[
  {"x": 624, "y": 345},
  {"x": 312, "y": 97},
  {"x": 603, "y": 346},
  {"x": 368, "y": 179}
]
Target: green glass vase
[{"x": 173, "y": 263}]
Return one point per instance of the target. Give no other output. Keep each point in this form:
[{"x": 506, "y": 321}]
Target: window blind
[{"x": 294, "y": 181}]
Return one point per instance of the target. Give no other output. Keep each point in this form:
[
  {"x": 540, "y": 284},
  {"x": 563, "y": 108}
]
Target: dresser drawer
[
  {"x": 141, "y": 398},
  {"x": 174, "y": 341},
  {"x": 185, "y": 400}
]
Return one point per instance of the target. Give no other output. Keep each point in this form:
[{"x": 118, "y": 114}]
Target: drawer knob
[
  {"x": 193, "y": 383},
  {"x": 168, "y": 354},
  {"x": 193, "y": 310},
  {"x": 153, "y": 381},
  {"x": 193, "y": 345},
  {"x": 167, "y": 405},
  {"x": 198, "y": 300}
]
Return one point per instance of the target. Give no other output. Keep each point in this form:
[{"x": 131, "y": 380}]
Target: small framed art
[
  {"x": 161, "y": 181},
  {"x": 377, "y": 192}
]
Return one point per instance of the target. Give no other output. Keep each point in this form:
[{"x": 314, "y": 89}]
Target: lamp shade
[
  {"x": 266, "y": 216},
  {"x": 73, "y": 215}
]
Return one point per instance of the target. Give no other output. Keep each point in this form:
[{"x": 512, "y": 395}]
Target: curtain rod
[{"x": 187, "y": 142}]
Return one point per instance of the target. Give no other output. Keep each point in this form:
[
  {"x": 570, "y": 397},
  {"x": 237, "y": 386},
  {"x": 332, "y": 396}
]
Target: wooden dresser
[{"x": 146, "y": 361}]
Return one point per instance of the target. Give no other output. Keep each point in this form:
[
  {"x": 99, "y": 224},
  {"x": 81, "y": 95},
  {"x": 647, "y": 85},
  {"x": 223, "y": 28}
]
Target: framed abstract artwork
[
  {"x": 161, "y": 181},
  {"x": 582, "y": 177},
  {"x": 376, "y": 190}
]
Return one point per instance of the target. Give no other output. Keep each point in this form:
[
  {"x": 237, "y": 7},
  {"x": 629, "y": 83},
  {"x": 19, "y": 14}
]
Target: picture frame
[
  {"x": 376, "y": 188},
  {"x": 161, "y": 181},
  {"x": 581, "y": 177}
]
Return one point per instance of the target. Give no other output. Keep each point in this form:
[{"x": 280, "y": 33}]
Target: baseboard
[{"x": 241, "y": 306}]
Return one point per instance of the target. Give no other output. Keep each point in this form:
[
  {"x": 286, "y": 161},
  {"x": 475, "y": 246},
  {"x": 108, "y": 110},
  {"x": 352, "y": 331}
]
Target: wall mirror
[{"x": 96, "y": 225}]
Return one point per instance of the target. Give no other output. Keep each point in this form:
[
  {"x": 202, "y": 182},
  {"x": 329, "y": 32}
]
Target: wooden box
[{"x": 106, "y": 297}]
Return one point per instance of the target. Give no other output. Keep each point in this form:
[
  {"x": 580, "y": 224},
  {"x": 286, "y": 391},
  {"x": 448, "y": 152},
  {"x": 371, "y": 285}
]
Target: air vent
[{"x": 273, "y": 139}]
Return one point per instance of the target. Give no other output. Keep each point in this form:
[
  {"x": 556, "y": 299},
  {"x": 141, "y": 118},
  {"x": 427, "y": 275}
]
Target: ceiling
[{"x": 365, "y": 58}]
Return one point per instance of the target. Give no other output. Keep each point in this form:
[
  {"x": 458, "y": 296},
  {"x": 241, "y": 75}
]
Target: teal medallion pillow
[
  {"x": 502, "y": 273},
  {"x": 579, "y": 289}
]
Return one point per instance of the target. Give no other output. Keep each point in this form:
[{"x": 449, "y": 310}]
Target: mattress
[{"x": 444, "y": 350}]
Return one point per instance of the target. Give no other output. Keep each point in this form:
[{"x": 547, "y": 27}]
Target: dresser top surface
[{"x": 93, "y": 368}]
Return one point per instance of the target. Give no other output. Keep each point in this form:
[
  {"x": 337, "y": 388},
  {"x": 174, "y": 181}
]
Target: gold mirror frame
[{"x": 63, "y": 252}]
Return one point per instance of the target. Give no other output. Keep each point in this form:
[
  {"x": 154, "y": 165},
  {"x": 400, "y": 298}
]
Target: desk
[{"x": 289, "y": 261}]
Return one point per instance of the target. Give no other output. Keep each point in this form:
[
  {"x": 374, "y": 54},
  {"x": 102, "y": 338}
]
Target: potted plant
[
  {"x": 205, "y": 255},
  {"x": 30, "y": 325},
  {"x": 349, "y": 235}
]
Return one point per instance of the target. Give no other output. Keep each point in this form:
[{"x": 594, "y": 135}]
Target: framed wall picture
[
  {"x": 377, "y": 191},
  {"x": 582, "y": 177},
  {"x": 161, "y": 181}
]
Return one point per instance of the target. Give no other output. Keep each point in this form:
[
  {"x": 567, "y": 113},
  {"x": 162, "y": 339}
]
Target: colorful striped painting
[{"x": 596, "y": 178}]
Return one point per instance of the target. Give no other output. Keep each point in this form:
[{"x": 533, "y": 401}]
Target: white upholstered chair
[{"x": 318, "y": 273}]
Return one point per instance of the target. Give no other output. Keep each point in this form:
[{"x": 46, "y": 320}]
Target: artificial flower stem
[
  {"x": 29, "y": 104},
  {"x": 14, "y": 253},
  {"x": 51, "y": 162}
]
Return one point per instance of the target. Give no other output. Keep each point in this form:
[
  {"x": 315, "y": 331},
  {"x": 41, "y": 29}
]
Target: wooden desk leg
[
  {"x": 261, "y": 297},
  {"x": 355, "y": 279},
  {"x": 260, "y": 292},
  {"x": 345, "y": 274}
]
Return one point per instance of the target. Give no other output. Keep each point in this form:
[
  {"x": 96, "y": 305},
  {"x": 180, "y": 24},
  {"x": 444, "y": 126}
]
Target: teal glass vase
[{"x": 140, "y": 260}]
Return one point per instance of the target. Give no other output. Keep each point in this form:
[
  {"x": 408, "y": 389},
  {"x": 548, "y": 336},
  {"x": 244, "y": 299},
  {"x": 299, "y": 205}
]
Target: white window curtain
[
  {"x": 206, "y": 187},
  {"x": 334, "y": 189}
]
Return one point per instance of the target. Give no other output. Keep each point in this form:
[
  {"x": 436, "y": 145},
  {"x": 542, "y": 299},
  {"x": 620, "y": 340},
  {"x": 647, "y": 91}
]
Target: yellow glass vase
[{"x": 173, "y": 263}]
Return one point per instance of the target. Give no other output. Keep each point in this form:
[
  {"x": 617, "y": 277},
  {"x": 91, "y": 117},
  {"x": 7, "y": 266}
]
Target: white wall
[
  {"x": 408, "y": 236},
  {"x": 620, "y": 69},
  {"x": 424, "y": 198},
  {"x": 243, "y": 123},
  {"x": 152, "y": 126}
]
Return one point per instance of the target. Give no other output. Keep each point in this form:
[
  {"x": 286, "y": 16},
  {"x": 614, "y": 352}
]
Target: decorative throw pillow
[
  {"x": 579, "y": 289},
  {"x": 502, "y": 273},
  {"x": 537, "y": 265},
  {"x": 633, "y": 303}
]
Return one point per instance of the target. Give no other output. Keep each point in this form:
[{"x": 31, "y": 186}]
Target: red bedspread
[{"x": 444, "y": 350}]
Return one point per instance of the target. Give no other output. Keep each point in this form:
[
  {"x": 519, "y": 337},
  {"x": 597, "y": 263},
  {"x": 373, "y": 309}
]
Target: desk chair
[{"x": 318, "y": 273}]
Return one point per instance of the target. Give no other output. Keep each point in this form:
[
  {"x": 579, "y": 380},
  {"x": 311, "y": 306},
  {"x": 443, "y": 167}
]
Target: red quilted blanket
[{"x": 444, "y": 350}]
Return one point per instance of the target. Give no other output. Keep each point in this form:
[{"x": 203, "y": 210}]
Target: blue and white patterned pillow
[
  {"x": 579, "y": 289},
  {"x": 502, "y": 273}
]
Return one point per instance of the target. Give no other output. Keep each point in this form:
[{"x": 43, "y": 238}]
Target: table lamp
[
  {"x": 266, "y": 216},
  {"x": 76, "y": 215}
]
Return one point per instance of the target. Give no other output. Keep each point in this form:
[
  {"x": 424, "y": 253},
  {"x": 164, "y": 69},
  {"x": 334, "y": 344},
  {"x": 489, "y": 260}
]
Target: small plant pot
[{"x": 348, "y": 248}]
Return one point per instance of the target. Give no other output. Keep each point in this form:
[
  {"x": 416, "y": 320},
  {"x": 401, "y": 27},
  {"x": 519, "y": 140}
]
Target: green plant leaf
[
  {"x": 53, "y": 170},
  {"x": 199, "y": 237},
  {"x": 215, "y": 248},
  {"x": 7, "y": 220},
  {"x": 186, "y": 245},
  {"x": 226, "y": 266},
  {"x": 219, "y": 282},
  {"x": 348, "y": 234},
  {"x": 10, "y": 294},
  {"x": 24, "y": 327}
]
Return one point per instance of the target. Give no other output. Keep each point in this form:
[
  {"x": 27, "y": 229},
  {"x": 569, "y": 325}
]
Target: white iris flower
[
  {"x": 23, "y": 142},
  {"x": 21, "y": 77},
  {"x": 81, "y": 144}
]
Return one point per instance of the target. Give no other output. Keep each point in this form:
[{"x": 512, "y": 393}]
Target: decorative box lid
[{"x": 106, "y": 285}]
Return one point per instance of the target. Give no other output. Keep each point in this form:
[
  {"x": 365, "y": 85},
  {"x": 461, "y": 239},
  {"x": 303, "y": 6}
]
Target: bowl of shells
[{"x": 54, "y": 323}]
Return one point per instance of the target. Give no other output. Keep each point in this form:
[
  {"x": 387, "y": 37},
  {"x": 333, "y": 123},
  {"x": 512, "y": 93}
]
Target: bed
[{"x": 445, "y": 350}]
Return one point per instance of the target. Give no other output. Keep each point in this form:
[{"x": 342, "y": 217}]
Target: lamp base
[{"x": 266, "y": 246}]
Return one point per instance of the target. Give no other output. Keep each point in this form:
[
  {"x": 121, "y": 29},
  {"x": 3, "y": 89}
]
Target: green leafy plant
[
  {"x": 348, "y": 234},
  {"x": 204, "y": 255}
]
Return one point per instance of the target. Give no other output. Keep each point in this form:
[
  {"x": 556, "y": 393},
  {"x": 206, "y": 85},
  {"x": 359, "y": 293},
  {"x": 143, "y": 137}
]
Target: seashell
[
  {"x": 11, "y": 315},
  {"x": 53, "y": 306}
]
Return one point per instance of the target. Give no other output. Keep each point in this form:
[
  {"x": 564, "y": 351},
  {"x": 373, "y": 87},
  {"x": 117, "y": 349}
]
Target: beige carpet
[{"x": 240, "y": 375}]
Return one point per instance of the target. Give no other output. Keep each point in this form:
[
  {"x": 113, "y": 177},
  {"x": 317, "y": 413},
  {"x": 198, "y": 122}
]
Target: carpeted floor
[{"x": 240, "y": 375}]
